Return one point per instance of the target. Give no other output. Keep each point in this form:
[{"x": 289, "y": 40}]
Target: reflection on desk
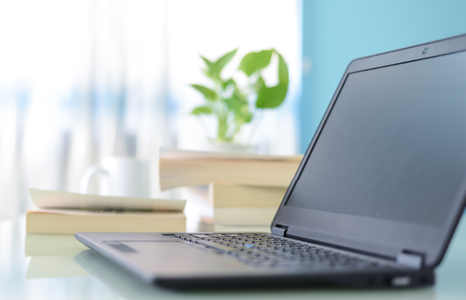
[
  {"x": 130, "y": 287},
  {"x": 38, "y": 244},
  {"x": 114, "y": 277},
  {"x": 52, "y": 256},
  {"x": 54, "y": 267},
  {"x": 57, "y": 275}
]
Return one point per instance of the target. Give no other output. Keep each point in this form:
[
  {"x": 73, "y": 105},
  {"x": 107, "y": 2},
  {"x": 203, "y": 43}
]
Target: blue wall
[{"x": 337, "y": 31}]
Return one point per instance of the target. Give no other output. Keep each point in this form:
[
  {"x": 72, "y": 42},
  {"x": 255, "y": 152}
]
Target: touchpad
[
  {"x": 147, "y": 246},
  {"x": 171, "y": 256},
  {"x": 120, "y": 246}
]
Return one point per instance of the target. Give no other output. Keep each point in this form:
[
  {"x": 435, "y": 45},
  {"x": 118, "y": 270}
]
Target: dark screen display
[{"x": 393, "y": 146}]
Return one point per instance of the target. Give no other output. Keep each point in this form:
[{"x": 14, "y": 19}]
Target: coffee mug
[{"x": 120, "y": 176}]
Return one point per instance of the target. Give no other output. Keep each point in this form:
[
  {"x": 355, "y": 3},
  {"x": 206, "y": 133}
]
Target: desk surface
[{"x": 40, "y": 266}]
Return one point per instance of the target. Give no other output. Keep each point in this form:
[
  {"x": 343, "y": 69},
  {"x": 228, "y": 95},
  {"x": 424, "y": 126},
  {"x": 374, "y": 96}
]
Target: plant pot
[{"x": 228, "y": 147}]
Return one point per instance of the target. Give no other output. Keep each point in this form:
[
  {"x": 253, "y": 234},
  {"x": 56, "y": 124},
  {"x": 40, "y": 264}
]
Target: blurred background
[{"x": 83, "y": 79}]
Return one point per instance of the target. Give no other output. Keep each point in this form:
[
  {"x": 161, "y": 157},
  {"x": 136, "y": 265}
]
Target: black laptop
[{"x": 374, "y": 203}]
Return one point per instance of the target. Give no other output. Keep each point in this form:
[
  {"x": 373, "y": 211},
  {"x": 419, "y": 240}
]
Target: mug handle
[{"x": 87, "y": 176}]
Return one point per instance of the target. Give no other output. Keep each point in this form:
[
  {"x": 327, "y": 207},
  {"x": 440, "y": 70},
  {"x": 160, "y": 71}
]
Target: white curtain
[
  {"x": 82, "y": 79},
  {"x": 79, "y": 80}
]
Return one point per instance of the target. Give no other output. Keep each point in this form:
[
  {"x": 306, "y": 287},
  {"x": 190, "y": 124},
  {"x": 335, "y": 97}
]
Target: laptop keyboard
[{"x": 263, "y": 250}]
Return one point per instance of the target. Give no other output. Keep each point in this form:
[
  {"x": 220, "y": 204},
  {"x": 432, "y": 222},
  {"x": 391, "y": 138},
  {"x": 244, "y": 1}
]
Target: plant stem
[{"x": 221, "y": 129}]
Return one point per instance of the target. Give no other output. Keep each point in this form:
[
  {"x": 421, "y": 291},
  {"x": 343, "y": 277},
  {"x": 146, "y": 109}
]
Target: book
[
  {"x": 60, "y": 199},
  {"x": 190, "y": 168},
  {"x": 198, "y": 209},
  {"x": 229, "y": 195},
  {"x": 232, "y": 205},
  {"x": 72, "y": 221},
  {"x": 68, "y": 213},
  {"x": 238, "y": 216},
  {"x": 193, "y": 226}
]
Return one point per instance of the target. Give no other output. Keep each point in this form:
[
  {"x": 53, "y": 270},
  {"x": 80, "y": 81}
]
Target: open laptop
[{"x": 374, "y": 203}]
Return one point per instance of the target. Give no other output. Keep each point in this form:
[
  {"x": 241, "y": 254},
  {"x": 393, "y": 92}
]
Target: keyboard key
[
  {"x": 215, "y": 245},
  {"x": 182, "y": 236},
  {"x": 261, "y": 250}
]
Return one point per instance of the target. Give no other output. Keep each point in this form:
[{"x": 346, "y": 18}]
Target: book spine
[
  {"x": 221, "y": 195},
  {"x": 70, "y": 224},
  {"x": 176, "y": 173}
]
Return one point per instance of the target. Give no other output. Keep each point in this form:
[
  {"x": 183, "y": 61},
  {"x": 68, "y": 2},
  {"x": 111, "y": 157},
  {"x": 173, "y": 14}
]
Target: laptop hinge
[
  {"x": 411, "y": 259},
  {"x": 279, "y": 229}
]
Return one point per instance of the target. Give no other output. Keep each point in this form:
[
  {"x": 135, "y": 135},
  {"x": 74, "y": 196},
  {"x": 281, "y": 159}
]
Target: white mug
[{"x": 122, "y": 176}]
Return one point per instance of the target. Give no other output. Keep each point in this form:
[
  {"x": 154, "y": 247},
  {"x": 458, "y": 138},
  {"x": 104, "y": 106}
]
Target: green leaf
[
  {"x": 208, "y": 63},
  {"x": 259, "y": 84},
  {"x": 283, "y": 77},
  {"x": 254, "y": 61},
  {"x": 226, "y": 83},
  {"x": 222, "y": 61},
  {"x": 215, "y": 68},
  {"x": 239, "y": 95},
  {"x": 208, "y": 93},
  {"x": 243, "y": 118},
  {"x": 210, "y": 71},
  {"x": 231, "y": 104},
  {"x": 240, "y": 109},
  {"x": 201, "y": 110},
  {"x": 271, "y": 97}
]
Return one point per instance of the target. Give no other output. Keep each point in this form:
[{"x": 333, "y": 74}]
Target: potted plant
[{"x": 234, "y": 105}]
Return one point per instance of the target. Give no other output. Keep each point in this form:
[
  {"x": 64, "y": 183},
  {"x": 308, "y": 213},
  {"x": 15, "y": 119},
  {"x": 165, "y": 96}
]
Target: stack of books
[
  {"x": 68, "y": 213},
  {"x": 228, "y": 190}
]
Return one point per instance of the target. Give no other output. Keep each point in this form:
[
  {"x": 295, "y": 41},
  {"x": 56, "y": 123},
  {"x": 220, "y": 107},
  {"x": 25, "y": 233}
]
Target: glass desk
[{"x": 42, "y": 266}]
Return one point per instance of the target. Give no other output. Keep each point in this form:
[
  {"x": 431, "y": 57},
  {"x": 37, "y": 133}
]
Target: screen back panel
[{"x": 385, "y": 171}]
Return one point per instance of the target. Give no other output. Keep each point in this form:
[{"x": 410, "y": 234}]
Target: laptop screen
[{"x": 393, "y": 146}]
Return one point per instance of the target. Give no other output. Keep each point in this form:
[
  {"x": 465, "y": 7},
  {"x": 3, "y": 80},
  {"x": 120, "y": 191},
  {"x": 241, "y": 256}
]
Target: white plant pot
[{"x": 227, "y": 147}]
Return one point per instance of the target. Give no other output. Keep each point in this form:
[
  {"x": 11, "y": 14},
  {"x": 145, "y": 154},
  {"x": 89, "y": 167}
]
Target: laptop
[{"x": 374, "y": 202}]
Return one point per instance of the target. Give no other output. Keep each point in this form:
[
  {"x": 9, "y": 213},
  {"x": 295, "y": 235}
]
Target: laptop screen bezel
[{"x": 385, "y": 238}]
